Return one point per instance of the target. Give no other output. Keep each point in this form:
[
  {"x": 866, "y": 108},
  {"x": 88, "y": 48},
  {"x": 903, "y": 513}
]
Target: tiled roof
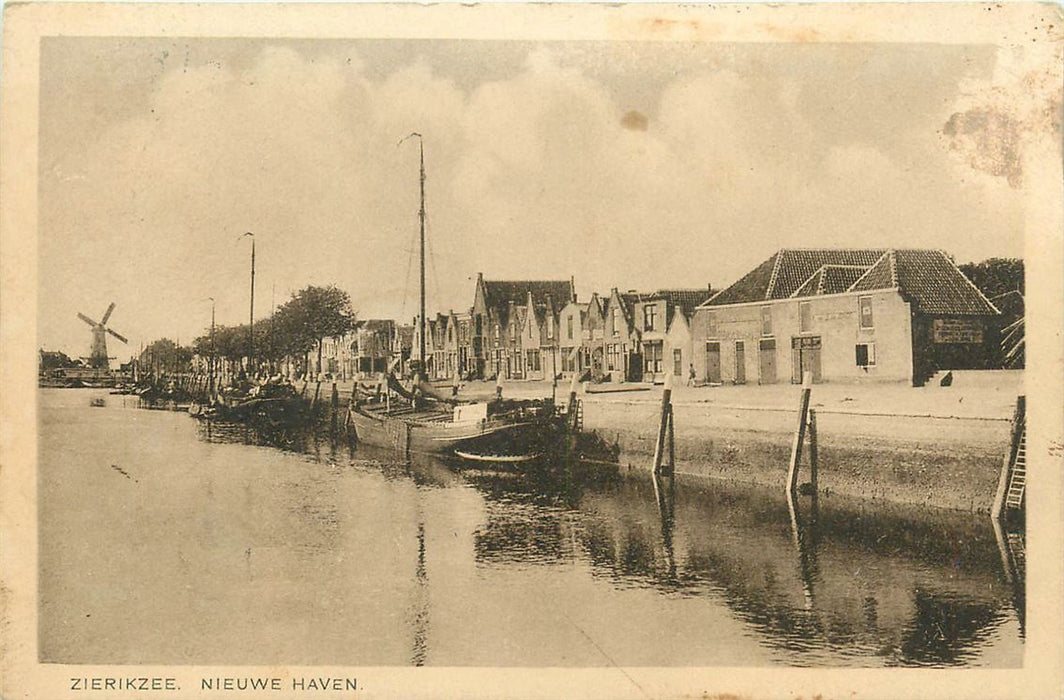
[
  {"x": 500, "y": 293},
  {"x": 838, "y": 278},
  {"x": 378, "y": 324},
  {"x": 879, "y": 276},
  {"x": 926, "y": 278},
  {"x": 750, "y": 287},
  {"x": 796, "y": 266},
  {"x": 930, "y": 280},
  {"x": 685, "y": 299}
]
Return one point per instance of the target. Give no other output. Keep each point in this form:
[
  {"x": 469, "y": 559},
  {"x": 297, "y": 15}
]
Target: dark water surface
[{"x": 165, "y": 540}]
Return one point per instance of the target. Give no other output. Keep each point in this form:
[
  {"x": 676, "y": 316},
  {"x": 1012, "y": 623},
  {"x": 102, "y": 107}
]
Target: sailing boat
[{"x": 417, "y": 421}]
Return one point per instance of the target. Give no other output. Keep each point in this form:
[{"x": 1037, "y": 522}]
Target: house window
[
  {"x": 677, "y": 362},
  {"x": 711, "y": 324},
  {"x": 550, "y": 328},
  {"x": 650, "y": 312},
  {"x": 864, "y": 305},
  {"x": 569, "y": 327},
  {"x": 616, "y": 321},
  {"x": 611, "y": 356},
  {"x": 805, "y": 317},
  {"x": 652, "y": 357},
  {"x": 866, "y": 354},
  {"x": 766, "y": 320},
  {"x": 496, "y": 335}
]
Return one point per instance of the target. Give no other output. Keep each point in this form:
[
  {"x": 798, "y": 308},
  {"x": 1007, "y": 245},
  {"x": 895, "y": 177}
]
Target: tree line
[{"x": 294, "y": 329}]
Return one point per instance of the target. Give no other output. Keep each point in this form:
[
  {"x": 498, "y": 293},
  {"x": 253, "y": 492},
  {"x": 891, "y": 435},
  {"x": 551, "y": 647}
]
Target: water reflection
[
  {"x": 294, "y": 540},
  {"x": 821, "y": 583}
]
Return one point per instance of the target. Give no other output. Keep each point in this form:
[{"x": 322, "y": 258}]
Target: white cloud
[{"x": 532, "y": 175}]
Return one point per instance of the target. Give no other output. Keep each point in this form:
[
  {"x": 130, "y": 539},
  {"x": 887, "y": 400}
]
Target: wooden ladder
[{"x": 1018, "y": 473}]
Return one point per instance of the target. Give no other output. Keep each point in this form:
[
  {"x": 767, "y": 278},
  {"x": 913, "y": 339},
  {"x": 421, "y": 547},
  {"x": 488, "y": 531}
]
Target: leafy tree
[
  {"x": 310, "y": 316},
  {"x": 996, "y": 276},
  {"x": 165, "y": 355}
]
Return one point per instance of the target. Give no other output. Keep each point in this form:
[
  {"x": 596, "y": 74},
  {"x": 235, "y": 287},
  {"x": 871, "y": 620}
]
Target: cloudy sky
[{"x": 639, "y": 166}]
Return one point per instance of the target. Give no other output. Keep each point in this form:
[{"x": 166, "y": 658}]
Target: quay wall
[{"x": 918, "y": 460}]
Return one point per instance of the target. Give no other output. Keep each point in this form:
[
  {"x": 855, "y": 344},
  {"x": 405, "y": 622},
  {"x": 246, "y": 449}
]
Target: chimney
[{"x": 572, "y": 287}]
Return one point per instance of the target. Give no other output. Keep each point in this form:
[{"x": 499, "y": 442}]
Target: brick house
[
  {"x": 662, "y": 320},
  {"x": 371, "y": 349},
  {"x": 621, "y": 342},
  {"x": 498, "y": 316},
  {"x": 594, "y": 337},
  {"x": 572, "y": 327},
  {"x": 844, "y": 315}
]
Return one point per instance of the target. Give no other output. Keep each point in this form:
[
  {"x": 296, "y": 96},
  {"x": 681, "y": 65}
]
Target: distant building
[
  {"x": 498, "y": 317},
  {"x": 621, "y": 345},
  {"x": 572, "y": 331},
  {"x": 844, "y": 315},
  {"x": 372, "y": 347},
  {"x": 662, "y": 321}
]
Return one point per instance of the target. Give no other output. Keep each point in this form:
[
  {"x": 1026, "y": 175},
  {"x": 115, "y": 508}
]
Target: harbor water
[{"x": 167, "y": 540}]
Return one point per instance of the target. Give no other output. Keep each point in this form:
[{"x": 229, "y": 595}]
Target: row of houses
[
  {"x": 538, "y": 329},
  {"x": 841, "y": 314}
]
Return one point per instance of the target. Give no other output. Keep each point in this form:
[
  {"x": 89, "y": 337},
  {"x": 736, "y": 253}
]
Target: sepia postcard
[{"x": 531, "y": 351}]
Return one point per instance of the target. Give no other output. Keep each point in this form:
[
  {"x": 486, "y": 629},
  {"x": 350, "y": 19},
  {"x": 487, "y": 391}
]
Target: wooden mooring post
[
  {"x": 805, "y": 422},
  {"x": 666, "y": 436}
]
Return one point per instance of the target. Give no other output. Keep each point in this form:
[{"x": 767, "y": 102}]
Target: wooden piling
[
  {"x": 813, "y": 453},
  {"x": 665, "y": 433},
  {"x": 799, "y": 433}
]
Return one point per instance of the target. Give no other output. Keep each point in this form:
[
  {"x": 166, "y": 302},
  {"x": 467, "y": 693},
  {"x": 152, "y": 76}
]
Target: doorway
[
  {"x": 713, "y": 362},
  {"x": 740, "y": 362},
  {"x": 805, "y": 357},
  {"x": 767, "y": 361}
]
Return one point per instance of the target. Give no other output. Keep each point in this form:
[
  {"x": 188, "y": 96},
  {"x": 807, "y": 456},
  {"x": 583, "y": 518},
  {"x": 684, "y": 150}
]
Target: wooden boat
[
  {"x": 501, "y": 428},
  {"x": 421, "y": 421},
  {"x": 497, "y": 459}
]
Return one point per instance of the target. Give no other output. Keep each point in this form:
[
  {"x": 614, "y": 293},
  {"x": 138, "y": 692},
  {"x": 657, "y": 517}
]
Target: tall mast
[
  {"x": 251, "y": 316},
  {"x": 421, "y": 219}
]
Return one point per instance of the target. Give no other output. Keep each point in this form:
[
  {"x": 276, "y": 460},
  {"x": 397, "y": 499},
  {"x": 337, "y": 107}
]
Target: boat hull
[{"x": 444, "y": 437}]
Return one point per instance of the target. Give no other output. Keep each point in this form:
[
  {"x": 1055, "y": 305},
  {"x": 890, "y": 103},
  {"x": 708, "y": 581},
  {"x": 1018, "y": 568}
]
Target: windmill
[{"x": 98, "y": 358}]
